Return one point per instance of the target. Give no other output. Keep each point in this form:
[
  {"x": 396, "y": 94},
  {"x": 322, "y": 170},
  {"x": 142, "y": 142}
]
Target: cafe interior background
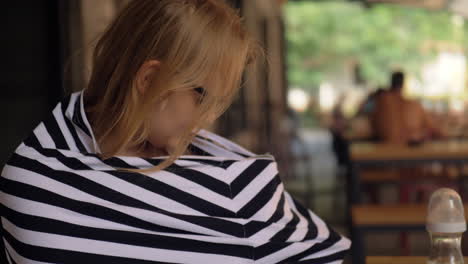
[{"x": 323, "y": 59}]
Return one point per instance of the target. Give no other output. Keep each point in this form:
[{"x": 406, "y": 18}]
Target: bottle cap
[{"x": 445, "y": 212}]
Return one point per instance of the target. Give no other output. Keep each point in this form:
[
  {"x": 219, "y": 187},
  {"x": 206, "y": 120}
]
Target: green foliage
[{"x": 322, "y": 36}]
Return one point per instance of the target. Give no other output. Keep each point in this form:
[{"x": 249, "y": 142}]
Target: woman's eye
[{"x": 201, "y": 92}]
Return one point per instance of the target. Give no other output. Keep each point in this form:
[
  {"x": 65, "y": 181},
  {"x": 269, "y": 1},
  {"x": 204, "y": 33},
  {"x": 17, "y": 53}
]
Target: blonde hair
[{"x": 195, "y": 41}]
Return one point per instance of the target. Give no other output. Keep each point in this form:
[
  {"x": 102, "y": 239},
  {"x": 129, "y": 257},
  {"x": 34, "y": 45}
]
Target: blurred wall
[
  {"x": 262, "y": 100},
  {"x": 86, "y": 20},
  {"x": 266, "y": 85},
  {"x": 31, "y": 66}
]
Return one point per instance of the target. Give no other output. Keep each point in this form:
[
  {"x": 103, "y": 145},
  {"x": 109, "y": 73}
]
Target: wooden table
[
  {"x": 400, "y": 215},
  {"x": 371, "y": 155},
  {"x": 371, "y": 152},
  {"x": 399, "y": 260}
]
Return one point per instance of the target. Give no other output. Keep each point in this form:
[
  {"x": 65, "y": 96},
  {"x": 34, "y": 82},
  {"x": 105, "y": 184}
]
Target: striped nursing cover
[{"x": 61, "y": 203}]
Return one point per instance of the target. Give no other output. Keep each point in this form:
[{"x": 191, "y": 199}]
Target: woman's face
[{"x": 171, "y": 118}]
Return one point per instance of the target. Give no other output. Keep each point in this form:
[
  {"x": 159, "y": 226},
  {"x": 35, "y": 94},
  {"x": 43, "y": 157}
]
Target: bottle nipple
[{"x": 445, "y": 212}]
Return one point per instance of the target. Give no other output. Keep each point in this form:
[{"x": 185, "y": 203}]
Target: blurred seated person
[
  {"x": 399, "y": 120},
  {"x": 360, "y": 127},
  {"x": 338, "y": 126},
  {"x": 368, "y": 106}
]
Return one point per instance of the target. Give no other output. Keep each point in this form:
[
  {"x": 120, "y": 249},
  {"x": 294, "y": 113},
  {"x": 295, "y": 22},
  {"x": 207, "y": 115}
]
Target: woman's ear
[{"x": 146, "y": 74}]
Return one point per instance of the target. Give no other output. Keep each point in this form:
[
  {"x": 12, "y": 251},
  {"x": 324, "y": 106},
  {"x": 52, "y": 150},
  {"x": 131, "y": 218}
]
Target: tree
[{"x": 322, "y": 36}]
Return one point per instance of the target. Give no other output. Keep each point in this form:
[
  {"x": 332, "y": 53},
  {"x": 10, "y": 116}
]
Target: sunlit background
[
  {"x": 340, "y": 52},
  {"x": 345, "y": 49}
]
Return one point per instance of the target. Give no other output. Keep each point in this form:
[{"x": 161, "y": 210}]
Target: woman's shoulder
[{"x": 221, "y": 143}]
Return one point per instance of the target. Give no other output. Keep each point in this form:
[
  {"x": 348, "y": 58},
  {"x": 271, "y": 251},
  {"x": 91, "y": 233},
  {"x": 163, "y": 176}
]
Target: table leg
[
  {"x": 357, "y": 246},
  {"x": 354, "y": 198}
]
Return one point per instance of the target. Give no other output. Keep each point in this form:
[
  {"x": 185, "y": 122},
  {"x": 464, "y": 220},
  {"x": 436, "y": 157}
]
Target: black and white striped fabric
[{"x": 61, "y": 203}]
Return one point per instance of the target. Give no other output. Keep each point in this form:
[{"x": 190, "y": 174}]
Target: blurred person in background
[
  {"x": 398, "y": 120},
  {"x": 338, "y": 127},
  {"x": 368, "y": 106}
]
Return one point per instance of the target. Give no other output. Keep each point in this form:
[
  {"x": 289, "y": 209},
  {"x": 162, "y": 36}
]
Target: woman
[{"x": 123, "y": 173}]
